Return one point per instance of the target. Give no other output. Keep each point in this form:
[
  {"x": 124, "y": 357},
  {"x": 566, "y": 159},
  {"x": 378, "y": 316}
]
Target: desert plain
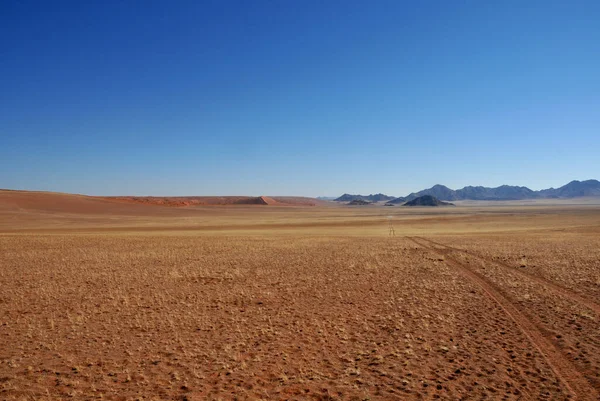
[{"x": 120, "y": 300}]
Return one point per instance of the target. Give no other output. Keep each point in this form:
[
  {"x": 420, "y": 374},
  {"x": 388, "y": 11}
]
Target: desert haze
[{"x": 297, "y": 299}]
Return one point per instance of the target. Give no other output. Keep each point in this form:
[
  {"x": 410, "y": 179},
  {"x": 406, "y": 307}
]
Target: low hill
[
  {"x": 397, "y": 201},
  {"x": 359, "y": 202},
  {"x": 427, "y": 200},
  {"x": 437, "y": 191}
]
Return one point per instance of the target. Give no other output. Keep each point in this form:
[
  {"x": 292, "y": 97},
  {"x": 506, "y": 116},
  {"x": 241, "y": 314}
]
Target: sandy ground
[{"x": 111, "y": 300}]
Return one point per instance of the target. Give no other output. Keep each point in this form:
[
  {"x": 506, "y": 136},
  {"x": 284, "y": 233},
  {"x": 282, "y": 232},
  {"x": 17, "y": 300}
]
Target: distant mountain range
[
  {"x": 504, "y": 192},
  {"x": 573, "y": 189},
  {"x": 368, "y": 198}
]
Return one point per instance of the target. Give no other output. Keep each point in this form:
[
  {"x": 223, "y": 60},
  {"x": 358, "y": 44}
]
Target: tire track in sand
[
  {"x": 542, "y": 281},
  {"x": 575, "y": 383}
]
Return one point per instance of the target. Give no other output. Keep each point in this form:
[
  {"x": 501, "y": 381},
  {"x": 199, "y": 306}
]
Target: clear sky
[{"x": 297, "y": 97}]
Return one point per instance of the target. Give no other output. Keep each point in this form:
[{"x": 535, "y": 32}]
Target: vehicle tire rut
[
  {"x": 573, "y": 380},
  {"x": 554, "y": 287}
]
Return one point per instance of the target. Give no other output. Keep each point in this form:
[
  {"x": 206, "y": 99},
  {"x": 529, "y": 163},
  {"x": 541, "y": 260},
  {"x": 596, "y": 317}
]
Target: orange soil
[{"x": 209, "y": 303}]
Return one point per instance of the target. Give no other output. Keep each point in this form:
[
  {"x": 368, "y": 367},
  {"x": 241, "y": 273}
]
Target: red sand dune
[
  {"x": 33, "y": 203},
  {"x": 55, "y": 202},
  {"x": 182, "y": 201}
]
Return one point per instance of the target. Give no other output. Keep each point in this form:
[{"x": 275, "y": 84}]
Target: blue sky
[{"x": 297, "y": 98}]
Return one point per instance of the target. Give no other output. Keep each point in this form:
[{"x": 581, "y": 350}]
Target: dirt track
[{"x": 562, "y": 367}]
